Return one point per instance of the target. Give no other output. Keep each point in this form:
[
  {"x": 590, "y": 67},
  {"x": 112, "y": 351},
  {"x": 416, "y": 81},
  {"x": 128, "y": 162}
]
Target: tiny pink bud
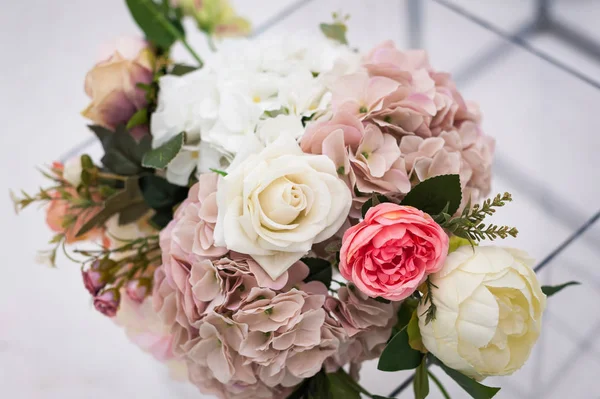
[
  {"x": 136, "y": 290},
  {"x": 92, "y": 280},
  {"x": 107, "y": 303}
]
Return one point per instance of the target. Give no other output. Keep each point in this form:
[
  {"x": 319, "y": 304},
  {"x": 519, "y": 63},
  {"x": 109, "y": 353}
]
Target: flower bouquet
[{"x": 268, "y": 219}]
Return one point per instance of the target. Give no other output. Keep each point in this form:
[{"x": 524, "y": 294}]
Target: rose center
[{"x": 283, "y": 200}]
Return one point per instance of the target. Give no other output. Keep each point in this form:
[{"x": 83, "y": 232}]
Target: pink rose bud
[
  {"x": 92, "y": 280},
  {"x": 137, "y": 291},
  {"x": 392, "y": 251},
  {"x": 107, "y": 303}
]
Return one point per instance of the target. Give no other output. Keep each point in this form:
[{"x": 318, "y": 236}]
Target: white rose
[
  {"x": 72, "y": 171},
  {"x": 276, "y": 203},
  {"x": 271, "y": 129},
  {"x": 489, "y": 311}
]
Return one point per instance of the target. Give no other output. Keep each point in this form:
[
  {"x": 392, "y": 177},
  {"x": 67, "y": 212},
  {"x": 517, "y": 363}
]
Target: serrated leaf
[
  {"x": 123, "y": 154},
  {"x": 117, "y": 162},
  {"x": 182, "y": 69},
  {"x": 320, "y": 270},
  {"x": 421, "y": 381},
  {"x": 160, "y": 157},
  {"x": 127, "y": 197},
  {"x": 398, "y": 355},
  {"x": 375, "y": 200},
  {"x": 472, "y": 387},
  {"x": 335, "y": 31},
  {"x": 138, "y": 119},
  {"x": 550, "y": 290},
  {"x": 160, "y": 194},
  {"x": 155, "y": 23},
  {"x": 436, "y": 194}
]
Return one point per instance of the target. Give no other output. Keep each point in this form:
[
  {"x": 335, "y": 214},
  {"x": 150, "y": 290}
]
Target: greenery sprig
[
  {"x": 469, "y": 224},
  {"x": 428, "y": 298}
]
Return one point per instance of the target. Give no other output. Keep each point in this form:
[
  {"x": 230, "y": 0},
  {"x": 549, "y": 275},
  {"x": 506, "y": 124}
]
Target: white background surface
[{"x": 54, "y": 345}]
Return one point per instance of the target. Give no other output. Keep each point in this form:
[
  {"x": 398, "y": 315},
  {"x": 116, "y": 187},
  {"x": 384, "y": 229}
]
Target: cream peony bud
[{"x": 489, "y": 311}]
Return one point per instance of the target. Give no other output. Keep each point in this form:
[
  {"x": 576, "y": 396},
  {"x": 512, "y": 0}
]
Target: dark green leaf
[
  {"x": 406, "y": 311},
  {"x": 123, "y": 154},
  {"x": 472, "y": 387},
  {"x": 161, "y": 218},
  {"x": 421, "y": 381},
  {"x": 340, "y": 389},
  {"x": 320, "y": 270},
  {"x": 375, "y": 200},
  {"x": 138, "y": 119},
  {"x": 160, "y": 194},
  {"x": 129, "y": 196},
  {"x": 550, "y": 290},
  {"x": 156, "y": 24},
  {"x": 315, "y": 387},
  {"x": 182, "y": 69},
  {"x": 133, "y": 213},
  {"x": 335, "y": 31},
  {"x": 380, "y": 397},
  {"x": 436, "y": 194},
  {"x": 398, "y": 355},
  {"x": 160, "y": 157}
]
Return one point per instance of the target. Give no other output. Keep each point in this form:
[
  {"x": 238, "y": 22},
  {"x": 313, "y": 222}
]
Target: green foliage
[
  {"x": 315, "y": 387},
  {"x": 436, "y": 195},
  {"x": 160, "y": 157},
  {"x": 122, "y": 153},
  {"x": 550, "y": 290},
  {"x": 428, "y": 298},
  {"x": 375, "y": 200},
  {"x": 159, "y": 23},
  {"x": 182, "y": 69},
  {"x": 398, "y": 355},
  {"x": 472, "y": 387},
  {"x": 408, "y": 307},
  {"x": 469, "y": 225},
  {"x": 414, "y": 334},
  {"x": 138, "y": 119},
  {"x": 335, "y": 31},
  {"x": 421, "y": 381},
  {"x": 320, "y": 270},
  {"x": 219, "y": 172},
  {"x": 120, "y": 202}
]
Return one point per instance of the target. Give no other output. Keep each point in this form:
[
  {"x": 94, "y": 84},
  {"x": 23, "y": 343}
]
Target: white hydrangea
[{"x": 236, "y": 91}]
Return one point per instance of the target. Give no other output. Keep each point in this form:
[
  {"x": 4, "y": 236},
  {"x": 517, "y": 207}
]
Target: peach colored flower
[
  {"x": 112, "y": 84},
  {"x": 63, "y": 219},
  {"x": 392, "y": 251}
]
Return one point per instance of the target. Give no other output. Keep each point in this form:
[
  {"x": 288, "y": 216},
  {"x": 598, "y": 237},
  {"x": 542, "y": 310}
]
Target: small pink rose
[
  {"x": 136, "y": 290},
  {"x": 107, "y": 303},
  {"x": 392, "y": 251},
  {"x": 92, "y": 280}
]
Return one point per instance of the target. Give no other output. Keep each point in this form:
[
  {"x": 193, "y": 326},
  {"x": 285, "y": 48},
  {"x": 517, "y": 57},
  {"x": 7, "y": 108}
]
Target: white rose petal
[
  {"x": 275, "y": 204},
  {"x": 489, "y": 311},
  {"x": 72, "y": 171},
  {"x": 282, "y": 125}
]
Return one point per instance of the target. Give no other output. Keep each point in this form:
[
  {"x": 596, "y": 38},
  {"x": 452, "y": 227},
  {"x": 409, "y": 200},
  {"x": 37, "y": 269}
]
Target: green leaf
[
  {"x": 133, "y": 213},
  {"x": 160, "y": 157},
  {"x": 472, "y": 387},
  {"x": 375, "y": 200},
  {"x": 156, "y": 24},
  {"x": 315, "y": 387},
  {"x": 138, "y": 119},
  {"x": 421, "y": 381},
  {"x": 380, "y": 397},
  {"x": 161, "y": 218},
  {"x": 159, "y": 194},
  {"x": 336, "y": 31},
  {"x": 398, "y": 355},
  {"x": 406, "y": 311},
  {"x": 129, "y": 196},
  {"x": 414, "y": 334},
  {"x": 433, "y": 195},
  {"x": 320, "y": 270},
  {"x": 340, "y": 389},
  {"x": 182, "y": 69},
  {"x": 219, "y": 172},
  {"x": 550, "y": 290},
  {"x": 123, "y": 154}
]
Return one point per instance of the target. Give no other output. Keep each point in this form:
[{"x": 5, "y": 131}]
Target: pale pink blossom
[
  {"x": 361, "y": 95},
  {"x": 347, "y": 123}
]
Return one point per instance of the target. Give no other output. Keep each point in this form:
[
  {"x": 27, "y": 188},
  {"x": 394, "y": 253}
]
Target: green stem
[
  {"x": 439, "y": 385},
  {"x": 191, "y": 51},
  {"x": 211, "y": 43}
]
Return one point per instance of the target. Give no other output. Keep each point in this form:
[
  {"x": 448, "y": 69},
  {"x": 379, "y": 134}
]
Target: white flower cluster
[{"x": 267, "y": 85}]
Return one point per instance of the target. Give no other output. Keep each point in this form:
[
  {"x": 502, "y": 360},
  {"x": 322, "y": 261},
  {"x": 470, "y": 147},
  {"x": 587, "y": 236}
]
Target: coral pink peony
[{"x": 392, "y": 251}]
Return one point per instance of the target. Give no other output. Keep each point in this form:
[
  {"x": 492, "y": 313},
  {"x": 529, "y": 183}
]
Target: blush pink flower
[
  {"x": 386, "y": 60},
  {"x": 361, "y": 95},
  {"x": 348, "y": 124},
  {"x": 392, "y": 251}
]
